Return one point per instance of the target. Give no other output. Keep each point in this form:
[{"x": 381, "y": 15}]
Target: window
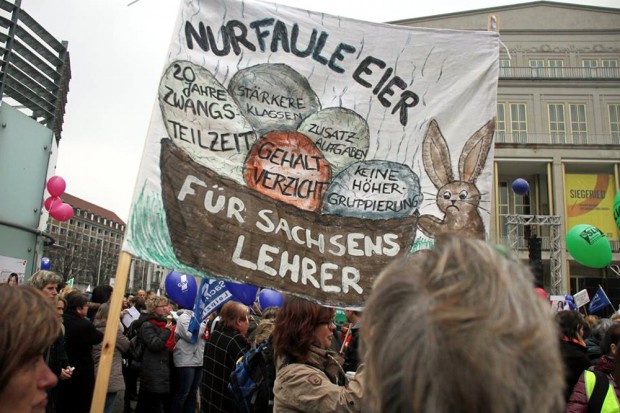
[
  {"x": 518, "y": 122},
  {"x": 538, "y": 67},
  {"x": 556, "y": 68},
  {"x": 614, "y": 123},
  {"x": 79, "y": 224},
  {"x": 504, "y": 67},
  {"x": 590, "y": 66},
  {"x": 578, "y": 123},
  {"x": 500, "y": 125},
  {"x": 86, "y": 226},
  {"x": 557, "y": 125},
  {"x": 610, "y": 68}
]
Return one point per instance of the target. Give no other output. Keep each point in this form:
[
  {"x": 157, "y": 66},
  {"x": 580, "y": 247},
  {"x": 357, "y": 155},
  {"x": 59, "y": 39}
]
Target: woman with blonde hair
[
  {"x": 29, "y": 326},
  {"x": 154, "y": 333}
]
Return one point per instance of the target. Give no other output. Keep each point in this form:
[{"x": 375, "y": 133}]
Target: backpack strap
[{"x": 601, "y": 385}]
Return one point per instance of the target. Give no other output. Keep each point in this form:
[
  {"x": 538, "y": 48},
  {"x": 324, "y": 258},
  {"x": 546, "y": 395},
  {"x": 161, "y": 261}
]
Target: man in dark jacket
[
  {"x": 351, "y": 350},
  {"x": 224, "y": 347}
]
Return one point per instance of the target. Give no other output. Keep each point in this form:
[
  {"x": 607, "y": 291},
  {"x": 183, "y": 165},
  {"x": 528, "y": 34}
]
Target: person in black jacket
[
  {"x": 226, "y": 344},
  {"x": 154, "y": 332},
  {"x": 573, "y": 348},
  {"x": 351, "y": 350},
  {"x": 75, "y": 395},
  {"x": 56, "y": 355}
]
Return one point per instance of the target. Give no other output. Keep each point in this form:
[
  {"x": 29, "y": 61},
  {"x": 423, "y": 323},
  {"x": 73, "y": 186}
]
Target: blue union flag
[{"x": 599, "y": 301}]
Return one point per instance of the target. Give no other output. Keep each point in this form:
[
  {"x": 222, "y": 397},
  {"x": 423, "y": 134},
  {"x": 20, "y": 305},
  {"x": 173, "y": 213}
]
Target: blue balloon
[
  {"x": 270, "y": 298},
  {"x": 181, "y": 288},
  {"x": 520, "y": 186},
  {"x": 46, "y": 263},
  {"x": 569, "y": 302},
  {"x": 243, "y": 293}
]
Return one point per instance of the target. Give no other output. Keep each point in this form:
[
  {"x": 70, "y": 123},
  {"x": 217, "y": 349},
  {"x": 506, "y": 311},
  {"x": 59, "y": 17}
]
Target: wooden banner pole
[{"x": 111, "y": 329}]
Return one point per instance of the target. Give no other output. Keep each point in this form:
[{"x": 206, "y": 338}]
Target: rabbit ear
[
  {"x": 436, "y": 156},
  {"x": 475, "y": 152}
]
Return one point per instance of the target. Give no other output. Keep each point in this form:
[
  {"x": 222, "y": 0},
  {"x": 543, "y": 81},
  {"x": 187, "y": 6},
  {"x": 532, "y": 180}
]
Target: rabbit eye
[
  {"x": 463, "y": 194},
  {"x": 447, "y": 195}
]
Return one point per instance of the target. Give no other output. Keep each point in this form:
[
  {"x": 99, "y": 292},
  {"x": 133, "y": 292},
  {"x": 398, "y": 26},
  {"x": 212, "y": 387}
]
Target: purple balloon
[
  {"x": 243, "y": 293},
  {"x": 46, "y": 263},
  {"x": 270, "y": 298},
  {"x": 520, "y": 186},
  {"x": 181, "y": 288}
]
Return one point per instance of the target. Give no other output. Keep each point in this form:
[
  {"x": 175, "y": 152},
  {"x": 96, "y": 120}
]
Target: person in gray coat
[
  {"x": 116, "y": 383},
  {"x": 188, "y": 359},
  {"x": 154, "y": 333}
]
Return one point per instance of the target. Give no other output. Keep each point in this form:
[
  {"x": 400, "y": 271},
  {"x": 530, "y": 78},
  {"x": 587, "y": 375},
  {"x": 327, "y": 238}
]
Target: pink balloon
[
  {"x": 56, "y": 186},
  {"x": 50, "y": 201},
  {"x": 61, "y": 211}
]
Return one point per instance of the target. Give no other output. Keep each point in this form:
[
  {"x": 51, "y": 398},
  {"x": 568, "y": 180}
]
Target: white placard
[
  {"x": 10, "y": 265},
  {"x": 581, "y": 298},
  {"x": 557, "y": 303}
]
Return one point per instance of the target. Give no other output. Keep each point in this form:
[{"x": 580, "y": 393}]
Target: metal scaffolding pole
[{"x": 555, "y": 245}]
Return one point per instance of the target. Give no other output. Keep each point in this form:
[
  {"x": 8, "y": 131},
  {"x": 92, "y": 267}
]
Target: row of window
[
  {"x": 94, "y": 228},
  {"x": 567, "y": 123},
  {"x": 85, "y": 248},
  {"x": 99, "y": 220},
  {"x": 604, "y": 67}
]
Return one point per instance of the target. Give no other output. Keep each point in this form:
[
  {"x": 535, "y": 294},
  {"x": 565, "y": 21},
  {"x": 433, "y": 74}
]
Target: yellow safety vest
[{"x": 610, "y": 404}]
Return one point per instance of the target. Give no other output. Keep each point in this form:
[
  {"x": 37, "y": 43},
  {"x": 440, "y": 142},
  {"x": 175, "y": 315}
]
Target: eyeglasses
[
  {"x": 161, "y": 306},
  {"x": 327, "y": 323}
]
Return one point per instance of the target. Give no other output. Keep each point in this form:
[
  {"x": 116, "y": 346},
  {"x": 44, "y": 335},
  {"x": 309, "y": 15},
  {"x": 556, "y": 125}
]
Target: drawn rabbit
[{"x": 457, "y": 199}]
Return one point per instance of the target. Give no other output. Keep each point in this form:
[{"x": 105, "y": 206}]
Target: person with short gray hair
[
  {"x": 459, "y": 328},
  {"x": 46, "y": 281}
]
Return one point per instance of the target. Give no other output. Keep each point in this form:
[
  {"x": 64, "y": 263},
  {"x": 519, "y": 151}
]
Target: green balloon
[
  {"x": 617, "y": 209},
  {"x": 589, "y": 246},
  {"x": 340, "y": 318}
]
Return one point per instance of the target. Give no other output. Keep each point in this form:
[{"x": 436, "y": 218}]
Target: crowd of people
[{"x": 455, "y": 328}]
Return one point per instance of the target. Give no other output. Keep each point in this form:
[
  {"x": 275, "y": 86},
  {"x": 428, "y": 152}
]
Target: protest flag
[
  {"x": 211, "y": 294},
  {"x": 599, "y": 301}
]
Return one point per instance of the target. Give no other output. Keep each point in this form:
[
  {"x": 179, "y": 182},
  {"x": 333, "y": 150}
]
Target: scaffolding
[{"x": 555, "y": 243}]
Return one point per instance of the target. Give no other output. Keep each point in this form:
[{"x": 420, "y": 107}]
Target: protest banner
[{"x": 293, "y": 150}]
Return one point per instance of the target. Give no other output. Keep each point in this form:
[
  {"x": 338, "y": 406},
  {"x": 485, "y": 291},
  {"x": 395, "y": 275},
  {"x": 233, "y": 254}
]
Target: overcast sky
[{"x": 117, "y": 55}]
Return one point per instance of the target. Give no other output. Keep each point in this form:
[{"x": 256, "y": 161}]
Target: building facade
[
  {"x": 88, "y": 245},
  {"x": 558, "y": 127}
]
